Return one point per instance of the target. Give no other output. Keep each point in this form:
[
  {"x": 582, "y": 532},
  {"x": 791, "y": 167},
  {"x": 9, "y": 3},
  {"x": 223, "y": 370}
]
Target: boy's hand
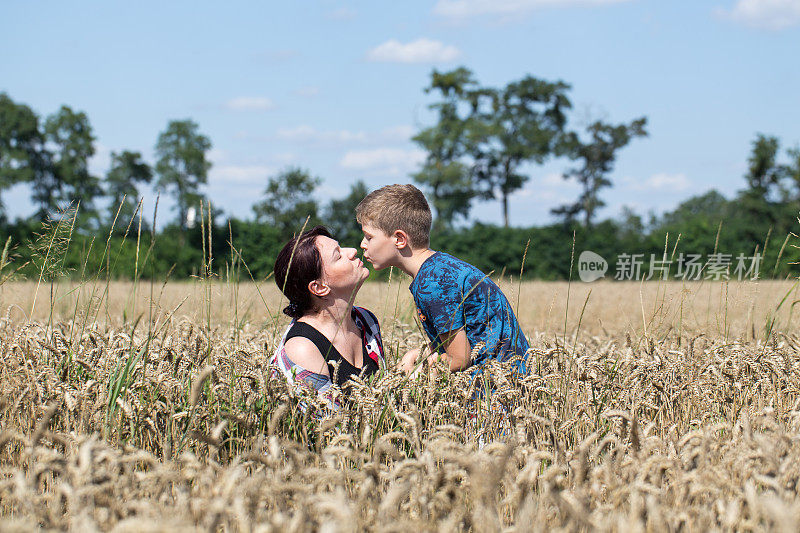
[
  {"x": 413, "y": 362},
  {"x": 409, "y": 361}
]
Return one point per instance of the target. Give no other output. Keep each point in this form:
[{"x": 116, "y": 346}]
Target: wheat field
[{"x": 648, "y": 407}]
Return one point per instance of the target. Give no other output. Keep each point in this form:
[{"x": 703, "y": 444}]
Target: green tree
[
  {"x": 70, "y": 139},
  {"x": 182, "y": 165},
  {"x": 521, "y": 123},
  {"x": 445, "y": 174},
  {"x": 763, "y": 171},
  {"x": 22, "y": 157},
  {"x": 127, "y": 172},
  {"x": 711, "y": 207},
  {"x": 793, "y": 170},
  {"x": 288, "y": 201},
  {"x": 759, "y": 201},
  {"x": 340, "y": 215},
  {"x": 597, "y": 157}
]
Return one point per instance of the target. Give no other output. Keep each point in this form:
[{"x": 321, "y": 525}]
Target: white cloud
[
  {"x": 249, "y": 103},
  {"x": 767, "y": 14},
  {"x": 277, "y": 56},
  {"x": 234, "y": 188},
  {"x": 470, "y": 8},
  {"x": 662, "y": 182},
  {"x": 241, "y": 174},
  {"x": 309, "y": 134},
  {"x": 556, "y": 180},
  {"x": 342, "y": 13},
  {"x": 216, "y": 156},
  {"x": 386, "y": 161},
  {"x": 398, "y": 133},
  {"x": 307, "y": 92},
  {"x": 420, "y": 51},
  {"x": 550, "y": 190},
  {"x": 539, "y": 196},
  {"x": 285, "y": 158}
]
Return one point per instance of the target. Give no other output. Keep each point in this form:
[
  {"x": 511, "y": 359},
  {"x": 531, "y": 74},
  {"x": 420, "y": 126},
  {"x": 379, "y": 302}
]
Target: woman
[{"x": 320, "y": 280}]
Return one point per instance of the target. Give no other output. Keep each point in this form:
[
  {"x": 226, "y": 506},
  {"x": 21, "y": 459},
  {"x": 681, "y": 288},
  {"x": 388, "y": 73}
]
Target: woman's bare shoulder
[{"x": 305, "y": 353}]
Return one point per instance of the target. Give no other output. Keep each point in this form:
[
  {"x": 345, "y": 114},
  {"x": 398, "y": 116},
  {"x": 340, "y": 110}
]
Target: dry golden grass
[
  {"x": 736, "y": 310},
  {"x": 673, "y": 410}
]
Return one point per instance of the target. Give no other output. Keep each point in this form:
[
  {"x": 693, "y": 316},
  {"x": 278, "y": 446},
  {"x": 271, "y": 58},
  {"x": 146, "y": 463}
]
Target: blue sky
[{"x": 337, "y": 87}]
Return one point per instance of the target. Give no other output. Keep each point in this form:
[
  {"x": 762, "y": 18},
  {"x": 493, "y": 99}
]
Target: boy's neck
[{"x": 410, "y": 264}]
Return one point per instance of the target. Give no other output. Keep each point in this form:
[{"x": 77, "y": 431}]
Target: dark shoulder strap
[{"x": 325, "y": 347}]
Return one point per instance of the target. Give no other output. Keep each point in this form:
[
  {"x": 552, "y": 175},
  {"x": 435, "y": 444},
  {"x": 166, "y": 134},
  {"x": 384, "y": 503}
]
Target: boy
[{"x": 460, "y": 308}]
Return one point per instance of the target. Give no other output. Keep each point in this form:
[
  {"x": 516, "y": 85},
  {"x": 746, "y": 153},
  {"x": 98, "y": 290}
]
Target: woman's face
[{"x": 341, "y": 267}]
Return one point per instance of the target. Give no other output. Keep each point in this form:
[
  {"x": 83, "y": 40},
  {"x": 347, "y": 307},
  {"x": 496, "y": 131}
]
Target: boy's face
[{"x": 379, "y": 249}]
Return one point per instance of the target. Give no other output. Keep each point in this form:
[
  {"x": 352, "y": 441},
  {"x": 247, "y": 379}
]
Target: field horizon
[{"x": 732, "y": 309}]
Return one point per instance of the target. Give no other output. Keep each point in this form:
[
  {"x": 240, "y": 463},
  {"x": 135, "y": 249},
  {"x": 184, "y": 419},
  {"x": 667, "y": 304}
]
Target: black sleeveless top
[{"x": 332, "y": 355}]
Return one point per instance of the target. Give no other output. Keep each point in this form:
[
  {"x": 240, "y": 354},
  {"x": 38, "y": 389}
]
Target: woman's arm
[{"x": 305, "y": 353}]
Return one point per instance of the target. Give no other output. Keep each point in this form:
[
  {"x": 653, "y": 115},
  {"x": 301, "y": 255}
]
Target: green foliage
[
  {"x": 339, "y": 216},
  {"x": 122, "y": 378},
  {"x": 182, "y": 166},
  {"x": 521, "y": 123},
  {"x": 21, "y": 145},
  {"x": 71, "y": 142},
  {"x": 475, "y": 150},
  {"x": 500, "y": 249},
  {"x": 484, "y": 135},
  {"x": 50, "y": 248},
  {"x": 259, "y": 245},
  {"x": 288, "y": 202},
  {"x": 763, "y": 172},
  {"x": 597, "y": 156},
  {"x": 127, "y": 171},
  {"x": 792, "y": 172},
  {"x": 701, "y": 225},
  {"x": 444, "y": 174}
]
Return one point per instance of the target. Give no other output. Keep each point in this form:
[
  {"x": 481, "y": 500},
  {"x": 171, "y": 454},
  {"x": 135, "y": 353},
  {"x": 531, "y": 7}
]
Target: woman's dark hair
[{"x": 297, "y": 265}]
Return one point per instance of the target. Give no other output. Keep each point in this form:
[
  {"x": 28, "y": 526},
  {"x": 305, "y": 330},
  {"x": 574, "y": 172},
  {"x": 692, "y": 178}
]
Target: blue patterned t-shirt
[{"x": 452, "y": 294}]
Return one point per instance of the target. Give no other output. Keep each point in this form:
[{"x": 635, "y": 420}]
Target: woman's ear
[
  {"x": 400, "y": 239},
  {"x": 318, "y": 288}
]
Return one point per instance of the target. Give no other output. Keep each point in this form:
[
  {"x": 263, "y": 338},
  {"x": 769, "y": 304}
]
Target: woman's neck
[{"x": 336, "y": 314}]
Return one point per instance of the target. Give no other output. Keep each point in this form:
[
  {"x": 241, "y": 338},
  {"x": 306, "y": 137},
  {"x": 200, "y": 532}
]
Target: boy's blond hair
[{"x": 398, "y": 207}]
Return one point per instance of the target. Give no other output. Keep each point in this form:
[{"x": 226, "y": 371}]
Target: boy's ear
[
  {"x": 401, "y": 239},
  {"x": 318, "y": 288}
]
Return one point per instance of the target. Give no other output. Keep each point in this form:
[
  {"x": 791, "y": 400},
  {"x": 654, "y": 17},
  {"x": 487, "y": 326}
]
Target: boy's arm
[
  {"x": 457, "y": 349},
  {"x": 457, "y": 353}
]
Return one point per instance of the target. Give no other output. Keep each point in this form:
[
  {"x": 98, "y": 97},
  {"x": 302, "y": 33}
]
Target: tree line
[
  {"x": 485, "y": 136},
  {"x": 52, "y": 156},
  {"x": 482, "y": 146}
]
